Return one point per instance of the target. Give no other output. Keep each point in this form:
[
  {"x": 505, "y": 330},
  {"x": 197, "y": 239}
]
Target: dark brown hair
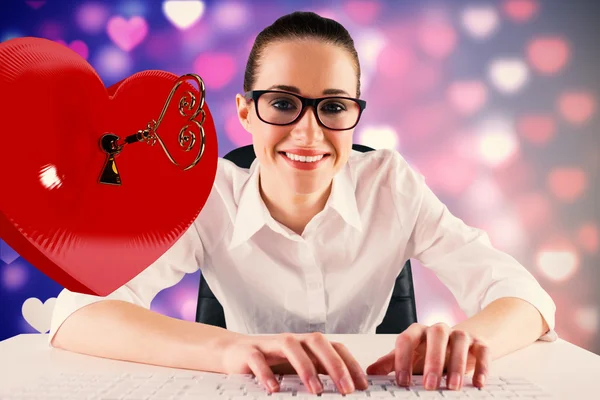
[{"x": 300, "y": 25}]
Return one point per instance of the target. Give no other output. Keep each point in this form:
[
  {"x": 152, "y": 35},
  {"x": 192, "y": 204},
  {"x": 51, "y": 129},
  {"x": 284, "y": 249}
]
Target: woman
[{"x": 294, "y": 246}]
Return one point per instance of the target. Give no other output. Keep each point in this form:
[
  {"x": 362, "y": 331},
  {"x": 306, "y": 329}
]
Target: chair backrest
[{"x": 401, "y": 312}]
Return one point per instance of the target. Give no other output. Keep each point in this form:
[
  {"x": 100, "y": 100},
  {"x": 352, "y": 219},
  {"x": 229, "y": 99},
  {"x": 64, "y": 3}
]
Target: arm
[
  {"x": 123, "y": 331},
  {"x": 504, "y": 303},
  {"x": 122, "y": 326},
  {"x": 506, "y": 325}
]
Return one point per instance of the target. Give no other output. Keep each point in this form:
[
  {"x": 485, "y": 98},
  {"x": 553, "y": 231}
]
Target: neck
[{"x": 292, "y": 210}]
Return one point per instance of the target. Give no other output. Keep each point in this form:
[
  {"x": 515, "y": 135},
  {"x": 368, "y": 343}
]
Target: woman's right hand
[{"x": 306, "y": 355}]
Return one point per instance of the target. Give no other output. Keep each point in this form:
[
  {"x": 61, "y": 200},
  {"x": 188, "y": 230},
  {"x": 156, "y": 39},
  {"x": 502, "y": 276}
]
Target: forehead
[{"x": 309, "y": 65}]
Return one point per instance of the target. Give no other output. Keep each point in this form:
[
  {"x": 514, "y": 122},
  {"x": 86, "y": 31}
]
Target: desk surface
[{"x": 567, "y": 371}]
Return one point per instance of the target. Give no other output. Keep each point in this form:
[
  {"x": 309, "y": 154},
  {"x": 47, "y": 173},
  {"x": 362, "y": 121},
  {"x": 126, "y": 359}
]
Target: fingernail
[
  {"x": 481, "y": 379},
  {"x": 315, "y": 385},
  {"x": 347, "y": 384},
  {"x": 402, "y": 378},
  {"x": 431, "y": 381},
  {"x": 272, "y": 384},
  {"x": 454, "y": 381}
]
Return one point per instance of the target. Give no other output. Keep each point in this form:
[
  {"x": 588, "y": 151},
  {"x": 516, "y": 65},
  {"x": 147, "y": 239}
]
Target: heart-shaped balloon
[{"x": 93, "y": 237}]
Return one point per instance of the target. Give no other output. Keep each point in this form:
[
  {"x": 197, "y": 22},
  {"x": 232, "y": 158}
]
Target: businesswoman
[{"x": 308, "y": 241}]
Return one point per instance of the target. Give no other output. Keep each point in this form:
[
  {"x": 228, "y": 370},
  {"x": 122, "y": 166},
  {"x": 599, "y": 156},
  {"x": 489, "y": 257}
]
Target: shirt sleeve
[
  {"x": 464, "y": 259},
  {"x": 185, "y": 256}
]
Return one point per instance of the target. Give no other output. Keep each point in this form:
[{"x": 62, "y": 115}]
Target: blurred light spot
[
  {"x": 558, "y": 261},
  {"x": 216, "y": 69},
  {"x": 436, "y": 316},
  {"x": 436, "y": 37},
  {"x": 534, "y": 211},
  {"x": 7, "y": 254},
  {"x": 127, "y": 33},
  {"x": 10, "y": 35},
  {"x": 231, "y": 16},
  {"x": 113, "y": 63},
  {"x": 49, "y": 178},
  {"x": 14, "y": 276},
  {"x": 188, "y": 309},
  {"x": 35, "y": 4},
  {"x": 235, "y": 131},
  {"x": 198, "y": 38},
  {"x": 520, "y": 10},
  {"x": 536, "y": 128},
  {"x": 183, "y": 14},
  {"x": 447, "y": 173},
  {"x": 567, "y": 184},
  {"x": 131, "y": 8},
  {"x": 78, "y": 46},
  {"x": 369, "y": 44},
  {"x": 480, "y": 21},
  {"x": 483, "y": 195},
  {"x": 497, "y": 142},
  {"x": 587, "y": 319},
  {"x": 508, "y": 75},
  {"x": 548, "y": 55},
  {"x": 577, "y": 107},
  {"x": 379, "y": 137},
  {"x": 91, "y": 17},
  {"x": 395, "y": 61},
  {"x": 587, "y": 235},
  {"x": 467, "y": 97},
  {"x": 506, "y": 232},
  {"x": 51, "y": 30},
  {"x": 362, "y": 11}
]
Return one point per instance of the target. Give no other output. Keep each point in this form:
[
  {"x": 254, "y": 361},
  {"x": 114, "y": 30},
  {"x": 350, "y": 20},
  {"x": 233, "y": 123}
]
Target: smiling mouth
[{"x": 304, "y": 159}]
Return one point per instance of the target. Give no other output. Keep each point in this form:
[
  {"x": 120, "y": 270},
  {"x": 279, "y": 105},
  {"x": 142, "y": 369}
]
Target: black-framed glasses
[{"x": 284, "y": 108}]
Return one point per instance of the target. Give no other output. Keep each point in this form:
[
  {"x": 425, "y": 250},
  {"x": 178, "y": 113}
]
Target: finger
[
  {"x": 483, "y": 359},
  {"x": 406, "y": 343},
  {"x": 459, "y": 343},
  {"x": 294, "y": 351},
  {"x": 356, "y": 372},
  {"x": 435, "y": 355},
  {"x": 331, "y": 360},
  {"x": 260, "y": 368},
  {"x": 383, "y": 366}
]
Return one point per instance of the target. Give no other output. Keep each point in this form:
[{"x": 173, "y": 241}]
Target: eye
[
  {"x": 283, "y": 105},
  {"x": 333, "y": 108}
]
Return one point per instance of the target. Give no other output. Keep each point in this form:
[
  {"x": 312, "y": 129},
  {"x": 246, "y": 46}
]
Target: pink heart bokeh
[
  {"x": 78, "y": 46},
  {"x": 437, "y": 38},
  {"x": 568, "y": 183},
  {"x": 577, "y": 107},
  {"x": 520, "y": 10},
  {"x": 548, "y": 55},
  {"x": 35, "y": 4},
  {"x": 216, "y": 69},
  {"x": 588, "y": 237},
  {"x": 361, "y": 11},
  {"x": 467, "y": 97},
  {"x": 127, "y": 34},
  {"x": 538, "y": 129}
]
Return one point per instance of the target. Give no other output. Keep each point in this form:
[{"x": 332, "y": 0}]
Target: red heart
[{"x": 91, "y": 237}]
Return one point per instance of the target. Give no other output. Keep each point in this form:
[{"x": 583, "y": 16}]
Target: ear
[{"x": 243, "y": 111}]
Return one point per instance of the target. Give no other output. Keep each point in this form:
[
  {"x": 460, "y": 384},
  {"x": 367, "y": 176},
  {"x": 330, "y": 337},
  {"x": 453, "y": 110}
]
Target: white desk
[{"x": 567, "y": 371}]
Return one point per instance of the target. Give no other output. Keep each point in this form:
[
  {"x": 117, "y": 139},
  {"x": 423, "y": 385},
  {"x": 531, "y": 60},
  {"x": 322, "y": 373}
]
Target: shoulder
[{"x": 384, "y": 168}]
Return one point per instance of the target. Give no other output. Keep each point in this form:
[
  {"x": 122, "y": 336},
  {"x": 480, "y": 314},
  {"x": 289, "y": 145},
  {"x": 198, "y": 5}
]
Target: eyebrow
[{"x": 294, "y": 89}]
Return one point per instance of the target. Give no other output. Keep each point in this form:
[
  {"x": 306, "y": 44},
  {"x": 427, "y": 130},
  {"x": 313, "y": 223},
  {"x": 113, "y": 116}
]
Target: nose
[{"x": 307, "y": 129}]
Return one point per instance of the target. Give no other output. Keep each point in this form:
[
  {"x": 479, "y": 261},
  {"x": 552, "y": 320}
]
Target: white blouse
[{"x": 338, "y": 276}]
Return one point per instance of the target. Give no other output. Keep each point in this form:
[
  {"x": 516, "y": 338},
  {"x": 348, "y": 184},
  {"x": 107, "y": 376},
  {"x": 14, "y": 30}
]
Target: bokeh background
[{"x": 495, "y": 102}]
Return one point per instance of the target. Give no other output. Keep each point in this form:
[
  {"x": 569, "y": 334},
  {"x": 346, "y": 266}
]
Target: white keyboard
[{"x": 203, "y": 385}]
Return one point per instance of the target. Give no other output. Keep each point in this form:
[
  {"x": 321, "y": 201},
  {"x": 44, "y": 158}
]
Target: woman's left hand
[{"x": 433, "y": 351}]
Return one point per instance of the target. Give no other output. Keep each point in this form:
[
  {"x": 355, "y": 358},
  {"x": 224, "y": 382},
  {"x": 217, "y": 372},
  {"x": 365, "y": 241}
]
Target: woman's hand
[
  {"x": 306, "y": 355},
  {"x": 433, "y": 351}
]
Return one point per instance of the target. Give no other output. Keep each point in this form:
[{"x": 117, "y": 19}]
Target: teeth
[{"x": 296, "y": 157}]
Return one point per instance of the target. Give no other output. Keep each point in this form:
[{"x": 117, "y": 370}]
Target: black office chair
[{"x": 401, "y": 312}]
